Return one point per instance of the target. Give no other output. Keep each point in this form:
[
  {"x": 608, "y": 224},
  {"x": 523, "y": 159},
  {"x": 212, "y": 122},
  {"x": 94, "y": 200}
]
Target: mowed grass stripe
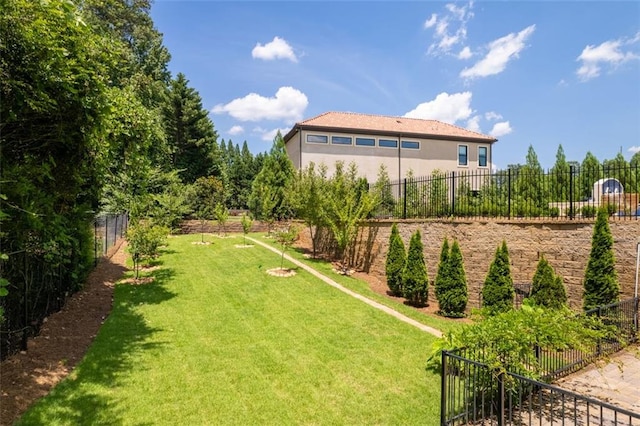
[{"x": 215, "y": 340}]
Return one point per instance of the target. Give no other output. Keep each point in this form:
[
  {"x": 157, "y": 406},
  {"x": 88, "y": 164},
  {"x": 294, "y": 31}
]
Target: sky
[{"x": 540, "y": 73}]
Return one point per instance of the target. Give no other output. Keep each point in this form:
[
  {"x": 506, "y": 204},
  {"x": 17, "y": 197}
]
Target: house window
[
  {"x": 462, "y": 155},
  {"x": 482, "y": 156},
  {"x": 340, "y": 140},
  {"x": 387, "y": 143},
  {"x": 317, "y": 139},
  {"x": 410, "y": 145},
  {"x": 365, "y": 142}
]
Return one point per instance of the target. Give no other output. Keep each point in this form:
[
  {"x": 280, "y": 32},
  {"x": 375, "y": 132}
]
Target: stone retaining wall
[
  {"x": 211, "y": 227},
  {"x": 565, "y": 244}
]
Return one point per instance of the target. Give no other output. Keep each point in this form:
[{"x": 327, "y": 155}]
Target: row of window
[
  {"x": 463, "y": 156},
  {"x": 348, "y": 140},
  {"x": 463, "y": 150}
]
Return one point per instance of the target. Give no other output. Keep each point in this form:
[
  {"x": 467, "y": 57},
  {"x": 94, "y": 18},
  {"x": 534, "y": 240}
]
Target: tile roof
[{"x": 352, "y": 122}]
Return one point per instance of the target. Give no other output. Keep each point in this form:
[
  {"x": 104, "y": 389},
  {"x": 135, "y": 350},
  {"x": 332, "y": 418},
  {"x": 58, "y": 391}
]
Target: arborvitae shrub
[
  {"x": 453, "y": 297},
  {"x": 547, "y": 289},
  {"x": 415, "y": 282},
  {"x": 442, "y": 275},
  {"x": 498, "y": 292},
  {"x": 600, "y": 280},
  {"x": 396, "y": 262}
]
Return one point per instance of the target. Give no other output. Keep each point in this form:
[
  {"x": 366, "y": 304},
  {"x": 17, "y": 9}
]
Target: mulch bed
[{"x": 62, "y": 343}]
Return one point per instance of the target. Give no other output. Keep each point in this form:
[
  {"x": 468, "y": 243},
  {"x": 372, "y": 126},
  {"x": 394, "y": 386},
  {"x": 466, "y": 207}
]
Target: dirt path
[{"x": 62, "y": 342}]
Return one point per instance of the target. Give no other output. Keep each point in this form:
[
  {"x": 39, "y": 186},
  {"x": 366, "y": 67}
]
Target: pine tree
[
  {"x": 453, "y": 297},
  {"x": 600, "y": 280},
  {"x": 396, "y": 262},
  {"x": 547, "y": 289},
  {"x": 443, "y": 274},
  {"x": 415, "y": 282},
  {"x": 190, "y": 132},
  {"x": 498, "y": 292}
]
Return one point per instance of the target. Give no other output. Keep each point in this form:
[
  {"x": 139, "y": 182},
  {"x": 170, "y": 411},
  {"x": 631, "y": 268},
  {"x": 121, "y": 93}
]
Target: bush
[
  {"x": 415, "y": 282},
  {"x": 453, "y": 297},
  {"x": 547, "y": 289},
  {"x": 497, "y": 291},
  {"x": 396, "y": 262},
  {"x": 554, "y": 212},
  {"x": 601, "y": 281}
]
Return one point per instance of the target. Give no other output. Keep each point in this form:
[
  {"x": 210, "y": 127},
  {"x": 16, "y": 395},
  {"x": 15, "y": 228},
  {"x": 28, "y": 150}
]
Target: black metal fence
[
  {"x": 474, "y": 393},
  {"x": 573, "y": 193},
  {"x": 40, "y": 283}
]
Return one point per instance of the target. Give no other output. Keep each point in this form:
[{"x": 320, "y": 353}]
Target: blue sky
[{"x": 528, "y": 73}]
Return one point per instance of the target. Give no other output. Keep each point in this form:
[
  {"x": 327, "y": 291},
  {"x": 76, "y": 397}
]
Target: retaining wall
[{"x": 565, "y": 244}]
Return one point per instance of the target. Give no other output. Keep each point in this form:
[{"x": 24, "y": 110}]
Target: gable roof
[{"x": 350, "y": 122}]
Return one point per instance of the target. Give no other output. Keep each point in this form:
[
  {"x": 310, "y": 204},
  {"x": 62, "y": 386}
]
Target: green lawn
[{"x": 215, "y": 340}]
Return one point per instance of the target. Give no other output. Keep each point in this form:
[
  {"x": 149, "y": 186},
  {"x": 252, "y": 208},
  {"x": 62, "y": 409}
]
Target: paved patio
[{"x": 616, "y": 380}]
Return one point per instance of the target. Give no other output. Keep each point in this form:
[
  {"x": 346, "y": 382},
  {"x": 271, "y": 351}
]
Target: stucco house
[{"x": 400, "y": 143}]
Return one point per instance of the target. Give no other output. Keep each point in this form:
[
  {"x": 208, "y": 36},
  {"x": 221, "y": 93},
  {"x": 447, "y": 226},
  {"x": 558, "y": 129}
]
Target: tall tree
[
  {"x": 600, "y": 279},
  {"x": 559, "y": 177},
  {"x": 309, "y": 200},
  {"x": 190, "y": 133},
  {"x": 348, "y": 203},
  {"x": 276, "y": 177},
  {"x": 590, "y": 172},
  {"x": 530, "y": 186},
  {"x": 442, "y": 275}
]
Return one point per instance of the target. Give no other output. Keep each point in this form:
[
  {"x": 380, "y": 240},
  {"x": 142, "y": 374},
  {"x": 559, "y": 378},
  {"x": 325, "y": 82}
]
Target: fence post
[
  {"x": 509, "y": 193},
  {"x": 443, "y": 390},
  {"x": 501, "y": 404},
  {"x": 95, "y": 242},
  {"x": 453, "y": 193},
  {"x": 115, "y": 231},
  {"x": 572, "y": 213},
  {"x": 404, "y": 207},
  {"x": 106, "y": 235}
]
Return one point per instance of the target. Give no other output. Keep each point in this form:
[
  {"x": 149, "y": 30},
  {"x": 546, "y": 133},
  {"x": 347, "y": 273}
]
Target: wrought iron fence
[
  {"x": 472, "y": 392},
  {"x": 41, "y": 281},
  {"x": 574, "y": 193}
]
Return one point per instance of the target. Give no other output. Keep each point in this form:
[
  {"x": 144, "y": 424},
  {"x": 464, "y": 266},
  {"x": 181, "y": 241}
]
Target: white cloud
[
  {"x": 269, "y": 135},
  {"x": 465, "y": 53},
  {"x": 276, "y": 49},
  {"x": 450, "y": 27},
  {"x": 491, "y": 116},
  {"x": 501, "y": 51},
  {"x": 473, "y": 123},
  {"x": 501, "y": 129},
  {"x": 236, "y": 130},
  {"x": 288, "y": 105},
  {"x": 610, "y": 53},
  {"x": 634, "y": 149},
  {"x": 445, "y": 107},
  {"x": 431, "y": 21}
]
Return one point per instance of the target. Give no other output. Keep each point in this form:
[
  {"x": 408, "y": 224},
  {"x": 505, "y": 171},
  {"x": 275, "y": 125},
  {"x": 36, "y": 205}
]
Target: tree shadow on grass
[{"x": 89, "y": 395}]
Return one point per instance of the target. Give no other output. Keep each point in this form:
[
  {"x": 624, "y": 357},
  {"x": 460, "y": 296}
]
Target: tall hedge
[
  {"x": 415, "y": 282},
  {"x": 498, "y": 292},
  {"x": 547, "y": 289},
  {"x": 453, "y": 293},
  {"x": 600, "y": 279},
  {"x": 396, "y": 262},
  {"x": 442, "y": 274}
]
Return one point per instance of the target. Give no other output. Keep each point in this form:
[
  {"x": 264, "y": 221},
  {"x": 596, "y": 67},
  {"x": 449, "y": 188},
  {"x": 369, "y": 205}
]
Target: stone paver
[
  {"x": 616, "y": 380},
  {"x": 366, "y": 300}
]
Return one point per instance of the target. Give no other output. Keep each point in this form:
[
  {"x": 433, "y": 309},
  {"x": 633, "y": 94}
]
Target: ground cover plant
[{"x": 215, "y": 340}]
